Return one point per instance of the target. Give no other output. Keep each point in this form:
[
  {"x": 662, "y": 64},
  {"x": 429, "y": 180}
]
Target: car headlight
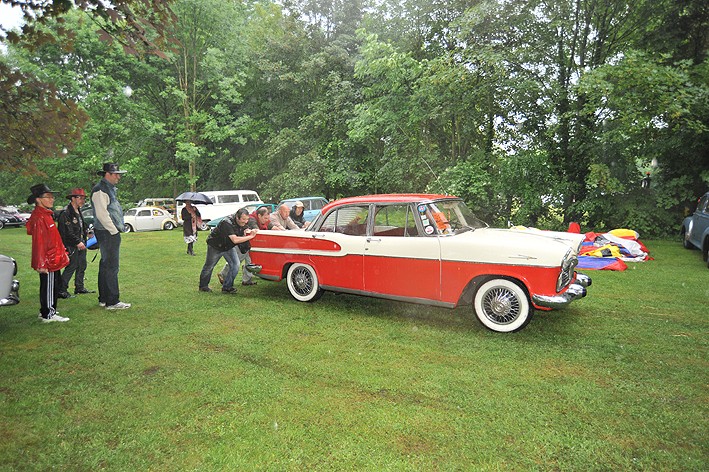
[{"x": 567, "y": 270}]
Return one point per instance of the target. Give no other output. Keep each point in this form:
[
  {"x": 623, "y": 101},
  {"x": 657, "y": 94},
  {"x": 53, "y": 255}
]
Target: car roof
[
  {"x": 147, "y": 208},
  {"x": 301, "y": 199},
  {"x": 387, "y": 198}
]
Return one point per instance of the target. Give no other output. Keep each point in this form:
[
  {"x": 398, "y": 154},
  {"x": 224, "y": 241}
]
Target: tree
[{"x": 136, "y": 24}]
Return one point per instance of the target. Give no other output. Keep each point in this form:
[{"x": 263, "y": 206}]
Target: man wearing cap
[
  {"x": 108, "y": 226},
  {"x": 48, "y": 253},
  {"x": 74, "y": 232},
  {"x": 297, "y": 214}
]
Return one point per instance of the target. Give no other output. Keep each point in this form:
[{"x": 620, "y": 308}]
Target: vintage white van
[{"x": 225, "y": 202}]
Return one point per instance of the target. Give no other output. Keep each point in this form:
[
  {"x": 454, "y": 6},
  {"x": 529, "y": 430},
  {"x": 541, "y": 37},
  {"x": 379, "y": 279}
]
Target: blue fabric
[{"x": 213, "y": 256}]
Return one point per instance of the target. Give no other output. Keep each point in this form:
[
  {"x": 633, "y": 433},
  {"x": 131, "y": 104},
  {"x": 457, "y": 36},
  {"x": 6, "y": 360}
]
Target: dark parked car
[
  {"x": 11, "y": 219},
  {"x": 695, "y": 229},
  {"x": 9, "y": 288},
  {"x": 88, "y": 214}
]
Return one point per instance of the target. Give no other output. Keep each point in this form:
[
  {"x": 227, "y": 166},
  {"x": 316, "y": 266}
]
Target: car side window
[
  {"x": 317, "y": 204},
  {"x": 394, "y": 220},
  {"x": 704, "y": 204},
  {"x": 350, "y": 220},
  {"x": 144, "y": 213},
  {"x": 156, "y": 212}
]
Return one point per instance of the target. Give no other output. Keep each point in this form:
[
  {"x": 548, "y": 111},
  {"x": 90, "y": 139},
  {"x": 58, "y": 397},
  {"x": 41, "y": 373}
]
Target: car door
[
  {"x": 343, "y": 228},
  {"x": 144, "y": 219},
  {"x": 400, "y": 260},
  {"x": 701, "y": 220}
]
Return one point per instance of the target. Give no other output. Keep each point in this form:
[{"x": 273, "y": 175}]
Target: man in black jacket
[
  {"x": 73, "y": 230},
  {"x": 222, "y": 242}
]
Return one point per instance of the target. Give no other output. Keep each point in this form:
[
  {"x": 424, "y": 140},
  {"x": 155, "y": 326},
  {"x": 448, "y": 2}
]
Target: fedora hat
[
  {"x": 111, "y": 168},
  {"x": 37, "y": 191},
  {"x": 76, "y": 192}
]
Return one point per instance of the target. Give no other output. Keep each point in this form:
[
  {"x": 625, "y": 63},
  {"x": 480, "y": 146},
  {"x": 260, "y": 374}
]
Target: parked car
[
  {"x": 9, "y": 287},
  {"x": 427, "y": 249},
  {"x": 148, "y": 219},
  {"x": 312, "y": 205},
  {"x": 88, "y": 214},
  {"x": 224, "y": 202},
  {"x": 695, "y": 228},
  {"x": 11, "y": 219},
  {"x": 164, "y": 203}
]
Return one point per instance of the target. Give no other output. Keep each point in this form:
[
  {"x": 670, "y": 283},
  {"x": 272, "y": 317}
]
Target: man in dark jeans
[
  {"x": 73, "y": 230},
  {"x": 222, "y": 242},
  {"x": 108, "y": 226}
]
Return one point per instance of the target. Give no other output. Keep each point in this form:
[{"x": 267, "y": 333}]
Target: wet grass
[{"x": 257, "y": 381}]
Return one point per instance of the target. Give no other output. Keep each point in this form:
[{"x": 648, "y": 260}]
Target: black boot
[{"x": 189, "y": 249}]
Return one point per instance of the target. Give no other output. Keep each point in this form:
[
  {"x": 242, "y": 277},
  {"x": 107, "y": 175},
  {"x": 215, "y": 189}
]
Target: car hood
[{"x": 512, "y": 246}]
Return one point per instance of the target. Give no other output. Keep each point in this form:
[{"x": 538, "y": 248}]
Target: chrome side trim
[
  {"x": 574, "y": 292},
  {"x": 418, "y": 301}
]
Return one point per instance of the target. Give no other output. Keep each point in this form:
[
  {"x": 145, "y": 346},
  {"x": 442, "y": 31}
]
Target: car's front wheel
[
  {"x": 303, "y": 283},
  {"x": 686, "y": 233},
  {"x": 169, "y": 226},
  {"x": 501, "y": 305}
]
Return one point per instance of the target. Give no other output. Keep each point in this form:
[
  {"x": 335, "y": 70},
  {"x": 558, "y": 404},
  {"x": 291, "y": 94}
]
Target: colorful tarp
[{"x": 611, "y": 250}]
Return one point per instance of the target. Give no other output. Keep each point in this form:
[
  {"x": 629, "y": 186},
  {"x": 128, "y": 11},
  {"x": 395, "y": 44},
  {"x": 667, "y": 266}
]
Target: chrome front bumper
[
  {"x": 575, "y": 291},
  {"x": 14, "y": 297}
]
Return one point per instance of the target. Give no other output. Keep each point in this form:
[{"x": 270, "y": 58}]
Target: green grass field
[{"x": 203, "y": 381}]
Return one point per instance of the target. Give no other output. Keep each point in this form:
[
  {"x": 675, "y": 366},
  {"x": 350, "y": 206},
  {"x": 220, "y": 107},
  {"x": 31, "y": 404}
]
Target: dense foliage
[{"x": 537, "y": 113}]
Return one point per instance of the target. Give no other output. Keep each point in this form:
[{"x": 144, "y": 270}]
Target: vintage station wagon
[{"x": 426, "y": 249}]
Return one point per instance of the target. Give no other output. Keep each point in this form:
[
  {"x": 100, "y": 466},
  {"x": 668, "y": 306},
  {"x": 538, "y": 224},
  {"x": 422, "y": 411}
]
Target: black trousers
[
  {"x": 77, "y": 264},
  {"x": 49, "y": 287},
  {"x": 110, "y": 247}
]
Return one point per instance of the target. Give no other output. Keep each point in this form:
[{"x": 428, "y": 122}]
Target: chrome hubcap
[{"x": 501, "y": 306}]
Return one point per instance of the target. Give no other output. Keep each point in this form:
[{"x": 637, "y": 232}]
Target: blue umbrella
[{"x": 194, "y": 197}]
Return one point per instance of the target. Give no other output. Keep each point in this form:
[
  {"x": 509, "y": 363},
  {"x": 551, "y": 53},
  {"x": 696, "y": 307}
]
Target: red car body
[{"x": 428, "y": 249}]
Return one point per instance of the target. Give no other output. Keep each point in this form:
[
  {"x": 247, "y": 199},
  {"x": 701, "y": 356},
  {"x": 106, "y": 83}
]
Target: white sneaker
[
  {"x": 53, "y": 318},
  {"x": 101, "y": 303},
  {"x": 118, "y": 306}
]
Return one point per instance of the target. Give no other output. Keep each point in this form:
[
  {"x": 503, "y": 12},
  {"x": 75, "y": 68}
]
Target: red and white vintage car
[{"x": 426, "y": 249}]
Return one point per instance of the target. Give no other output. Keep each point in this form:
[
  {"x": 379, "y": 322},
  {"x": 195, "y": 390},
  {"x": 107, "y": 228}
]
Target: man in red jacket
[{"x": 49, "y": 255}]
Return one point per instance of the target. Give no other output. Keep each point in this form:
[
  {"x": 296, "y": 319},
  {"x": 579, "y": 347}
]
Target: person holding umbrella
[{"x": 192, "y": 220}]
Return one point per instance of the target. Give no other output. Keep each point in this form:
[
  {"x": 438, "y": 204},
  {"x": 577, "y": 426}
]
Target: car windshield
[{"x": 448, "y": 217}]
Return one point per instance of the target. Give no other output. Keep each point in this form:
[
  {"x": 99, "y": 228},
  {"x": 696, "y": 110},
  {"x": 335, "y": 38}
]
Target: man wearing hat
[
  {"x": 48, "y": 254},
  {"x": 297, "y": 214},
  {"x": 74, "y": 233},
  {"x": 108, "y": 226}
]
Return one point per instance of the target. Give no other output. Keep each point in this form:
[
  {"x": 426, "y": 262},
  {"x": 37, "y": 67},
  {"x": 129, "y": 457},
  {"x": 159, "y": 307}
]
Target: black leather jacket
[{"x": 72, "y": 227}]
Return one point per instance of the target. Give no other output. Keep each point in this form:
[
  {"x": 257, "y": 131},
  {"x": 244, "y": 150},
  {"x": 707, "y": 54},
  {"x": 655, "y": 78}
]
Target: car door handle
[{"x": 369, "y": 240}]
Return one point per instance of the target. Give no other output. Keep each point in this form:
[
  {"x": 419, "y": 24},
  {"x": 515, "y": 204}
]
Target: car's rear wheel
[
  {"x": 2, "y": 224},
  {"x": 127, "y": 228},
  {"x": 168, "y": 226},
  {"x": 501, "y": 305},
  {"x": 303, "y": 283}
]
